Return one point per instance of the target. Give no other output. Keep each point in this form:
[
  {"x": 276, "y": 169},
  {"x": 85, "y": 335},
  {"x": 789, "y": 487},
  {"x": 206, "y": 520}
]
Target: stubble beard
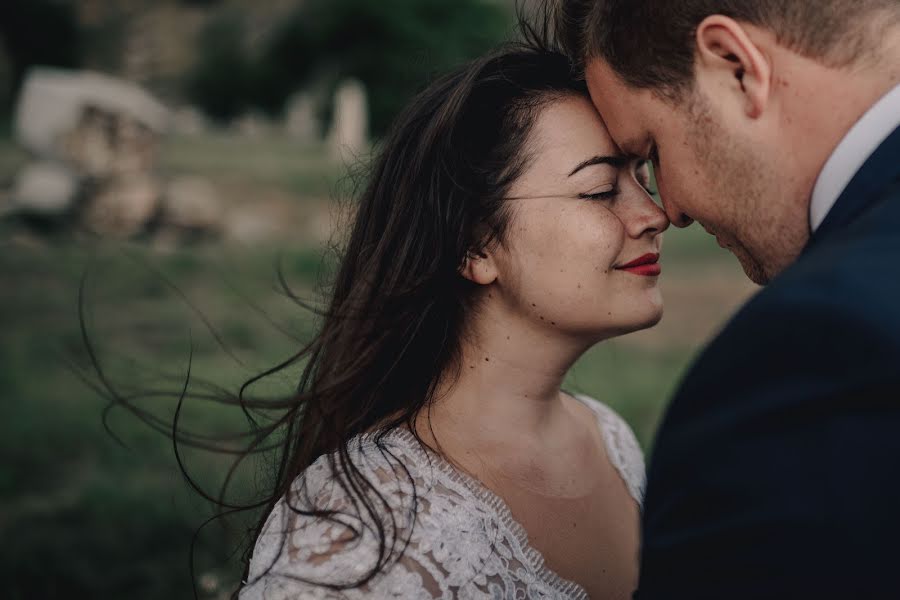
[{"x": 737, "y": 178}]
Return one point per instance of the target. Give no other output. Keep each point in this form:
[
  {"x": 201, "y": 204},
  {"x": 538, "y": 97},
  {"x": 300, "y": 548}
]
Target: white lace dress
[{"x": 464, "y": 543}]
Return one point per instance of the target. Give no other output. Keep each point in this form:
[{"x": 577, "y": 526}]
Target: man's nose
[{"x": 677, "y": 217}]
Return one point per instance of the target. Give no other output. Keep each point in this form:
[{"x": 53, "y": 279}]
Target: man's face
[{"x": 708, "y": 170}]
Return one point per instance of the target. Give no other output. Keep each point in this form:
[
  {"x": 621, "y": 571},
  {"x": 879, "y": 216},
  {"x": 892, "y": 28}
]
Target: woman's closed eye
[
  {"x": 605, "y": 193},
  {"x": 608, "y": 192}
]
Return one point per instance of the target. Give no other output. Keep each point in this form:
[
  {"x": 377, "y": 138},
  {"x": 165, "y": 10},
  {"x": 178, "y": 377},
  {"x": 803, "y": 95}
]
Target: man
[{"x": 774, "y": 124}]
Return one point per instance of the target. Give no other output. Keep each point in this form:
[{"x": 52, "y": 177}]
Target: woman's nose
[{"x": 643, "y": 216}]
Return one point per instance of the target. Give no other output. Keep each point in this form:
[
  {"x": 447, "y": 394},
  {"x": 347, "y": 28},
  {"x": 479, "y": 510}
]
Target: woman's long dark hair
[{"x": 398, "y": 310}]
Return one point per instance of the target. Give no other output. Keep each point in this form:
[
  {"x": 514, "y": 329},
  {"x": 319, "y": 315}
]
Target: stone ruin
[
  {"x": 95, "y": 141},
  {"x": 349, "y": 132}
]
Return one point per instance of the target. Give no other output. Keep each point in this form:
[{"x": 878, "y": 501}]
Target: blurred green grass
[
  {"x": 93, "y": 519},
  {"x": 278, "y": 161}
]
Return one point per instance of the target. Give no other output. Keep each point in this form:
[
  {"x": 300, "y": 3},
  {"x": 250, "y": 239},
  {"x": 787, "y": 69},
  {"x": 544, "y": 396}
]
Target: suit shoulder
[
  {"x": 836, "y": 311},
  {"x": 849, "y": 286}
]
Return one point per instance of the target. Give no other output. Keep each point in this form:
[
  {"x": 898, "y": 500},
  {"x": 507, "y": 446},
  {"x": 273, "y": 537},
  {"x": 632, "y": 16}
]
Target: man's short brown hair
[{"x": 650, "y": 43}]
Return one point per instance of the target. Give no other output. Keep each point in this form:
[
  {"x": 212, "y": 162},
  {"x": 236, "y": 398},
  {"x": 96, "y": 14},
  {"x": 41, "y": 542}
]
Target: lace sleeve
[
  {"x": 624, "y": 451},
  {"x": 299, "y": 557},
  {"x": 299, "y": 566}
]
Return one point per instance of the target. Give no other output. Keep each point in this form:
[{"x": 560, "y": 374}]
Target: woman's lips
[{"x": 646, "y": 265}]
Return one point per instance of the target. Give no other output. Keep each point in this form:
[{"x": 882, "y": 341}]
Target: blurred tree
[
  {"x": 37, "y": 32},
  {"x": 392, "y": 47},
  {"x": 220, "y": 83},
  {"x": 286, "y": 63}
]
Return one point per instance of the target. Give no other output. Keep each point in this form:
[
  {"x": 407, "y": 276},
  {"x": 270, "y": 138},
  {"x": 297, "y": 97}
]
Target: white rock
[
  {"x": 300, "y": 120},
  {"x": 188, "y": 121},
  {"x": 249, "y": 226},
  {"x": 192, "y": 202},
  {"x": 45, "y": 189},
  {"x": 53, "y": 101},
  {"x": 123, "y": 207},
  {"x": 349, "y": 133},
  {"x": 252, "y": 125}
]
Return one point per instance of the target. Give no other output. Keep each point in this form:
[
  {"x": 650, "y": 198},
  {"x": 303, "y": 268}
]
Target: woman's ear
[
  {"x": 731, "y": 56},
  {"x": 479, "y": 267}
]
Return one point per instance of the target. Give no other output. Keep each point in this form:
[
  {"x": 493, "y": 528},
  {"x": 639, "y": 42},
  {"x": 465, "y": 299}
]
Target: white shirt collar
[{"x": 852, "y": 152}]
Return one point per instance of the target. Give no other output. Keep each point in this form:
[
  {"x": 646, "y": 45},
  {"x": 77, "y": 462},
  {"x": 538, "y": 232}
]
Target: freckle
[
  {"x": 553, "y": 322},
  {"x": 579, "y": 286},
  {"x": 486, "y": 359},
  {"x": 507, "y": 337},
  {"x": 610, "y": 314},
  {"x": 542, "y": 318},
  {"x": 471, "y": 366},
  {"x": 533, "y": 304}
]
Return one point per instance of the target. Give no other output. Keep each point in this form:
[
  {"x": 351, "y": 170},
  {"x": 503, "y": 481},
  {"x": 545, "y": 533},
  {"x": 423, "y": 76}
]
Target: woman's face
[{"x": 581, "y": 249}]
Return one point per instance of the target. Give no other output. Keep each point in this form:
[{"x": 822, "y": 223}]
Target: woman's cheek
[{"x": 600, "y": 238}]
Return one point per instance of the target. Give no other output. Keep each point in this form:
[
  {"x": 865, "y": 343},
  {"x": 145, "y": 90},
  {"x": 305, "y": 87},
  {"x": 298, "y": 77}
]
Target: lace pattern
[{"x": 465, "y": 542}]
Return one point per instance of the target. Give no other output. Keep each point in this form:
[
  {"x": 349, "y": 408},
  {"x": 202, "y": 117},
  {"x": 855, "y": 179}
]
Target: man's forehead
[
  {"x": 601, "y": 77},
  {"x": 616, "y": 102}
]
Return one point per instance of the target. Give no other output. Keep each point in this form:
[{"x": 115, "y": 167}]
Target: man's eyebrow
[{"x": 616, "y": 161}]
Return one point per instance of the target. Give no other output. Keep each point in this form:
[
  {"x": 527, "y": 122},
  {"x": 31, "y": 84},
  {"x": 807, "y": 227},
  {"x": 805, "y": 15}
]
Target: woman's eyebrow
[{"x": 616, "y": 161}]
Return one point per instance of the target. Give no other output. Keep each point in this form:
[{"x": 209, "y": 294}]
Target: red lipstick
[{"x": 646, "y": 265}]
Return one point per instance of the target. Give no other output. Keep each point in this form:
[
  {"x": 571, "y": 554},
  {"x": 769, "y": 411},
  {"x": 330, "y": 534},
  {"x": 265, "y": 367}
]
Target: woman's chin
[
  {"x": 634, "y": 322},
  {"x": 643, "y": 317},
  {"x": 654, "y": 312},
  {"x": 653, "y": 320}
]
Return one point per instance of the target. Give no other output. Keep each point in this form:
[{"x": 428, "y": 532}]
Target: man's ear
[
  {"x": 479, "y": 267},
  {"x": 728, "y": 54}
]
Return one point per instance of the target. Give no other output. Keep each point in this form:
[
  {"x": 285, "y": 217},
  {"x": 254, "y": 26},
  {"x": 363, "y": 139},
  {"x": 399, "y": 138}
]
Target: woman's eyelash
[{"x": 600, "y": 195}]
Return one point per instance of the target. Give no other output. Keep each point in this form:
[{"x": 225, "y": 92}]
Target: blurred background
[{"x": 171, "y": 154}]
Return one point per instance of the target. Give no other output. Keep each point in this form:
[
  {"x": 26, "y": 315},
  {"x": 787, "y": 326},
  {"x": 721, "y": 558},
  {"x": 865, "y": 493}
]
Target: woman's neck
[{"x": 509, "y": 379}]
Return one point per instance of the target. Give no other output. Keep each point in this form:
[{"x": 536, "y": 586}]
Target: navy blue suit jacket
[{"x": 776, "y": 471}]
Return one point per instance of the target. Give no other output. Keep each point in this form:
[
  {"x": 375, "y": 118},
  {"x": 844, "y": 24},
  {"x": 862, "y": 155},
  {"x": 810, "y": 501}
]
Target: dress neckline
[{"x": 482, "y": 493}]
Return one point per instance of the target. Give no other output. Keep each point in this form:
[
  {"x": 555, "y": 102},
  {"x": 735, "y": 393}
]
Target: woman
[{"x": 431, "y": 451}]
